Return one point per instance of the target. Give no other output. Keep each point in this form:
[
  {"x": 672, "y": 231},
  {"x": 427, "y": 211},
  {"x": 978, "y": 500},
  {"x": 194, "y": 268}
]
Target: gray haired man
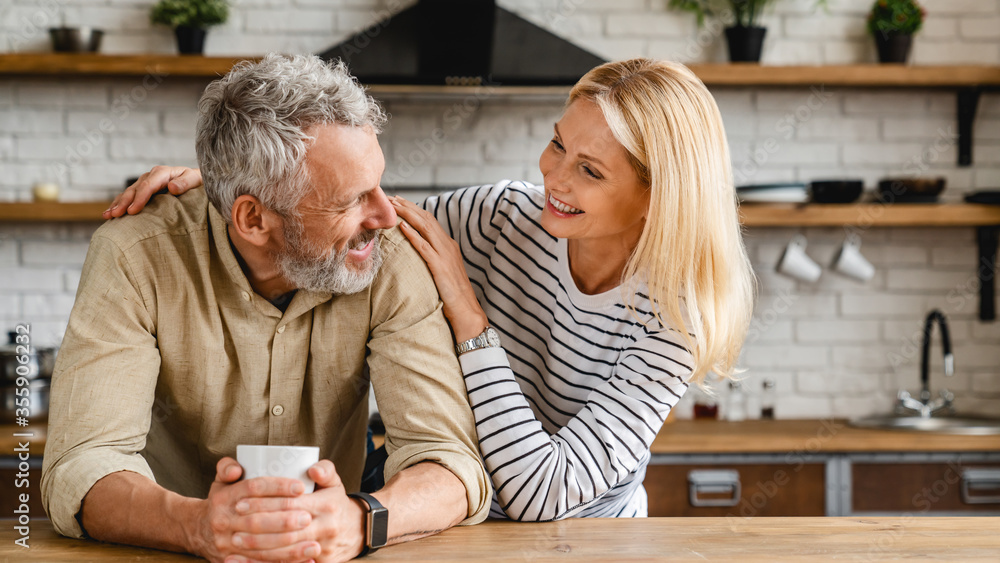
[{"x": 246, "y": 314}]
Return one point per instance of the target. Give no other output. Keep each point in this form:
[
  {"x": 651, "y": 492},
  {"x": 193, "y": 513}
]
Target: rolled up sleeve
[
  {"x": 102, "y": 387},
  {"x": 417, "y": 379}
]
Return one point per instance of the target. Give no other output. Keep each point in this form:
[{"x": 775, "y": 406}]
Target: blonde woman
[{"x": 584, "y": 309}]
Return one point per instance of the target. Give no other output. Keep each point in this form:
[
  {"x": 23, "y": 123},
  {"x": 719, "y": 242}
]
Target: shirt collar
[{"x": 303, "y": 301}]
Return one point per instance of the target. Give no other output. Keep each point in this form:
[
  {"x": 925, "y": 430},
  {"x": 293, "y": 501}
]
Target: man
[{"x": 198, "y": 327}]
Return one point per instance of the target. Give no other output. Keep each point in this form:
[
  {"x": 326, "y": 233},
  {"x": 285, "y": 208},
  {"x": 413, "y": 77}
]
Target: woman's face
[{"x": 591, "y": 190}]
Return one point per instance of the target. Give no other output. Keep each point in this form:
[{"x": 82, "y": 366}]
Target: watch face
[
  {"x": 492, "y": 338},
  {"x": 379, "y": 527}
]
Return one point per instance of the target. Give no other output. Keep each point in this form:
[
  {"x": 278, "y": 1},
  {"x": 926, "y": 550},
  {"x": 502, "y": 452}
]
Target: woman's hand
[
  {"x": 177, "y": 180},
  {"x": 444, "y": 259}
]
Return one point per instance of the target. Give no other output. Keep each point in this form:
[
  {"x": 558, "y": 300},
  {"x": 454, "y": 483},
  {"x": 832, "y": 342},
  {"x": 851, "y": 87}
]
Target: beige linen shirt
[{"x": 170, "y": 360}]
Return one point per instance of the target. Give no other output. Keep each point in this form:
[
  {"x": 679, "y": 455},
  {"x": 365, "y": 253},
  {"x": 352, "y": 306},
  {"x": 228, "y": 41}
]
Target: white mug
[
  {"x": 850, "y": 262},
  {"x": 278, "y": 461},
  {"x": 794, "y": 261}
]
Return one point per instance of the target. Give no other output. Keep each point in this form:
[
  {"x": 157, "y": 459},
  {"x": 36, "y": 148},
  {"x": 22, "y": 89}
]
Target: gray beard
[{"x": 306, "y": 267}]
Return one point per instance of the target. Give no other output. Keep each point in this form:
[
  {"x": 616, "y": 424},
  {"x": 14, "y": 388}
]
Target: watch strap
[
  {"x": 486, "y": 339},
  {"x": 377, "y": 523}
]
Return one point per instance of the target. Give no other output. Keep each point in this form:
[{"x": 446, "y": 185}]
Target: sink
[{"x": 967, "y": 425}]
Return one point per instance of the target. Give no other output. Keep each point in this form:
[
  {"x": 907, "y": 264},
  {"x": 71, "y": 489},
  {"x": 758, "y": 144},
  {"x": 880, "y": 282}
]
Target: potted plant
[
  {"x": 190, "y": 18},
  {"x": 745, "y": 36},
  {"x": 893, "y": 23}
]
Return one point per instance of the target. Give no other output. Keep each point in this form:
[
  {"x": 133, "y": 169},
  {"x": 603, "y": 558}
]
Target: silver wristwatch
[{"x": 486, "y": 339}]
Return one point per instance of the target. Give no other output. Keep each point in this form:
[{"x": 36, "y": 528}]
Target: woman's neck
[{"x": 597, "y": 265}]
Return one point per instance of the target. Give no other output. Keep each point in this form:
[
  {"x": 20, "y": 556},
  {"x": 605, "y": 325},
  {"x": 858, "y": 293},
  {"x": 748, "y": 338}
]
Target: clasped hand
[{"x": 272, "y": 519}]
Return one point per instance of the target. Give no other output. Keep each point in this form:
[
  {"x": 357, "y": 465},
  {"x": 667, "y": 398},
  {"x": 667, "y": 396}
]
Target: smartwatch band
[{"x": 376, "y": 534}]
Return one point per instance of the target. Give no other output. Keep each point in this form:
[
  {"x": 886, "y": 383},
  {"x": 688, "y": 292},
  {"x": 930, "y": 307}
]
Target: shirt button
[
  {"x": 281, "y": 329},
  {"x": 246, "y": 296},
  {"x": 277, "y": 410}
]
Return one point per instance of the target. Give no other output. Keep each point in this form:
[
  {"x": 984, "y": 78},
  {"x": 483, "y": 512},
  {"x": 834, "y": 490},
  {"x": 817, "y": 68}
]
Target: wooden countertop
[
  {"x": 641, "y": 539},
  {"x": 807, "y": 436},
  {"x": 714, "y": 437}
]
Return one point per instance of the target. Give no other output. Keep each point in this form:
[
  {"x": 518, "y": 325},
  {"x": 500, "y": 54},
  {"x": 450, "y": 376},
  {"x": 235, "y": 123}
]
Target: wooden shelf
[
  {"x": 860, "y": 75},
  {"x": 869, "y": 214},
  {"x": 728, "y": 74},
  {"x": 70, "y": 212},
  {"x": 83, "y": 64},
  {"x": 752, "y": 214}
]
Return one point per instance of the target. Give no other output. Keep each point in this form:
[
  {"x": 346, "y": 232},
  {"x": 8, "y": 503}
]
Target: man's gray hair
[{"x": 251, "y": 136}]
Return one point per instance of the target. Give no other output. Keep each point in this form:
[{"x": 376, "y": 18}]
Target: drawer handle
[
  {"x": 713, "y": 481},
  {"x": 980, "y": 478}
]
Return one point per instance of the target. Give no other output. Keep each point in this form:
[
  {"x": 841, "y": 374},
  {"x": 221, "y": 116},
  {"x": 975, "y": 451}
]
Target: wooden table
[{"x": 643, "y": 539}]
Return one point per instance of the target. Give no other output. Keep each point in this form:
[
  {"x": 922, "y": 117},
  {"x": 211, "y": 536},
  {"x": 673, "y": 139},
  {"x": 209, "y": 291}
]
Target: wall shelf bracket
[
  {"x": 968, "y": 101},
  {"x": 986, "y": 270}
]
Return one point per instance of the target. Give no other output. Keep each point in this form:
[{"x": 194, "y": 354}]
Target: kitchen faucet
[{"x": 926, "y": 407}]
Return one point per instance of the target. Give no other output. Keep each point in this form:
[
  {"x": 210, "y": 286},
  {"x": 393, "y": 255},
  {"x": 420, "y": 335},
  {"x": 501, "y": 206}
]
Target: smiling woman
[{"x": 583, "y": 310}]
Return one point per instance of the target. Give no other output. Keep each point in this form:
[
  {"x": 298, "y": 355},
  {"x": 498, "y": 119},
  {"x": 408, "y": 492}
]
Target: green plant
[
  {"x": 896, "y": 17},
  {"x": 744, "y": 13},
  {"x": 192, "y": 13}
]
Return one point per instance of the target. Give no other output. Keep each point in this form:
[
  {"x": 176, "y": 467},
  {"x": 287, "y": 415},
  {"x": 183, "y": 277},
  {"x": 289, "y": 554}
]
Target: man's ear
[{"x": 255, "y": 223}]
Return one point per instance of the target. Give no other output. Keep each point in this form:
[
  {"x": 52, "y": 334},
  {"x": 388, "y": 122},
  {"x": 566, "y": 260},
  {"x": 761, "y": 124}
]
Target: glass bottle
[
  {"x": 767, "y": 400},
  {"x": 736, "y": 406},
  {"x": 706, "y": 406}
]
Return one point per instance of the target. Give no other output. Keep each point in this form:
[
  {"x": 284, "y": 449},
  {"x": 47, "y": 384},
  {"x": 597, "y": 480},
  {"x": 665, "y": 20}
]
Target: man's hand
[
  {"x": 227, "y": 528},
  {"x": 336, "y": 532}
]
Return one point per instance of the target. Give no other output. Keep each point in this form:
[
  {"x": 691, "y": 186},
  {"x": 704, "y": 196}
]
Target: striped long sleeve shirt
[{"x": 567, "y": 409}]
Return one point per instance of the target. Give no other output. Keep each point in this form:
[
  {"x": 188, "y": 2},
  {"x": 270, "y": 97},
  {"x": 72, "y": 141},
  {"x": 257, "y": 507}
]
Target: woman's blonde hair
[{"x": 691, "y": 251}]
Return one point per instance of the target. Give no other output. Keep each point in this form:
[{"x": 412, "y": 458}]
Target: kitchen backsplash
[{"x": 835, "y": 348}]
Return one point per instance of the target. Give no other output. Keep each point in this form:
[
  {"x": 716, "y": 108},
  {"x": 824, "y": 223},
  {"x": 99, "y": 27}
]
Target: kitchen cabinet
[
  {"x": 745, "y": 486},
  {"x": 17, "y": 483},
  {"x": 818, "y": 467},
  {"x": 739, "y": 488},
  {"x": 954, "y": 486}
]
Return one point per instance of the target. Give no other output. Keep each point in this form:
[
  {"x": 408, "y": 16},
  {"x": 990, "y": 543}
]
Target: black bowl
[
  {"x": 836, "y": 191},
  {"x": 910, "y": 190},
  {"x": 75, "y": 39}
]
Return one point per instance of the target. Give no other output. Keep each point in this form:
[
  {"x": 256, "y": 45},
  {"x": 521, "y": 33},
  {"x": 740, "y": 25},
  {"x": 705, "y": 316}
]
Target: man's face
[{"x": 334, "y": 246}]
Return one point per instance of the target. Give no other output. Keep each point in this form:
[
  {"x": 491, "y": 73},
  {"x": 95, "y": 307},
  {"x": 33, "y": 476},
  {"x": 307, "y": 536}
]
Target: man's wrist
[
  {"x": 361, "y": 517},
  {"x": 190, "y": 516}
]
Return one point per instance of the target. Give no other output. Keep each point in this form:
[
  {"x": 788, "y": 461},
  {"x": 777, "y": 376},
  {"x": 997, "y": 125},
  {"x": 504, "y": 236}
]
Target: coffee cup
[
  {"x": 795, "y": 263},
  {"x": 850, "y": 262},
  {"x": 291, "y": 462}
]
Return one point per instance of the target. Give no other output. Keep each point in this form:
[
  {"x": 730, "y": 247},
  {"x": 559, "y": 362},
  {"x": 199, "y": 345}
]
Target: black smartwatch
[{"x": 378, "y": 523}]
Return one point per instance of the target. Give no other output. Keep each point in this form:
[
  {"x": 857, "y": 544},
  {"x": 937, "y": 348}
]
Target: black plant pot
[
  {"x": 190, "y": 40},
  {"x": 893, "y": 47},
  {"x": 745, "y": 43}
]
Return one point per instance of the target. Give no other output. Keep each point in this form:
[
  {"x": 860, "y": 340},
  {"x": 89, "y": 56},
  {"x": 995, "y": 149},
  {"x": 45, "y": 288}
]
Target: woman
[{"x": 612, "y": 288}]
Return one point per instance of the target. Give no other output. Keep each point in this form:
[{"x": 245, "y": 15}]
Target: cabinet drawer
[
  {"x": 760, "y": 490},
  {"x": 13, "y": 480},
  {"x": 925, "y": 487}
]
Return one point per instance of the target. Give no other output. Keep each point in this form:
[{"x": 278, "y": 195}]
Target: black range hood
[{"x": 461, "y": 42}]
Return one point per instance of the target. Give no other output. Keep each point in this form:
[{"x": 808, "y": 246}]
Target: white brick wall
[{"x": 835, "y": 348}]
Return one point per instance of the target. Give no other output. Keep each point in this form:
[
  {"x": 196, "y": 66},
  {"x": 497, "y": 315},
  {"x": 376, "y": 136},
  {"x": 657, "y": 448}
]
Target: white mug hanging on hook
[
  {"x": 849, "y": 261},
  {"x": 795, "y": 263}
]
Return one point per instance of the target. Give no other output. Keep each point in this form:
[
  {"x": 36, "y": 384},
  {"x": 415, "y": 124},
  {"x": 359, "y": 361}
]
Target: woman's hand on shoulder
[
  {"x": 177, "y": 180},
  {"x": 444, "y": 260}
]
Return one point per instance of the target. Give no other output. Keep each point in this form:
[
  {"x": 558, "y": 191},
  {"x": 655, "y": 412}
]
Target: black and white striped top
[{"x": 567, "y": 410}]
